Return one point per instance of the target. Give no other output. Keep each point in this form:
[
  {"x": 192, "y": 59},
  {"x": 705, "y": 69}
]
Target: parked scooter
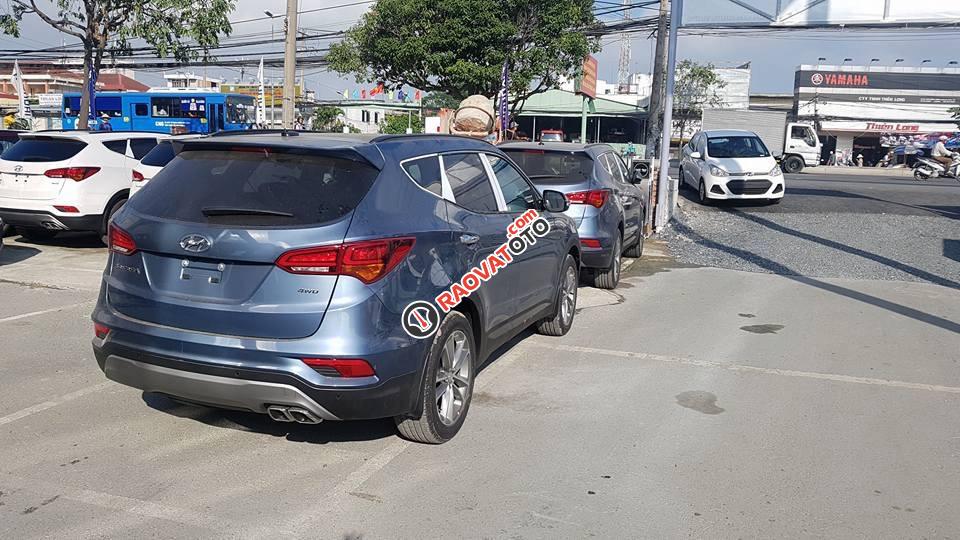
[{"x": 930, "y": 168}]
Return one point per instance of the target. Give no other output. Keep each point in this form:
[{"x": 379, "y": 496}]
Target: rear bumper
[
  {"x": 42, "y": 219},
  {"x": 249, "y": 389}
]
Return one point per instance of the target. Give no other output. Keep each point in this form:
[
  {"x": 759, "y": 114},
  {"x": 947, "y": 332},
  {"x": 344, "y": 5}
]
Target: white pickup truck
[{"x": 795, "y": 145}]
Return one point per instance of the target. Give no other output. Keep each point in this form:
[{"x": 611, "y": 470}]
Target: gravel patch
[{"x": 837, "y": 245}]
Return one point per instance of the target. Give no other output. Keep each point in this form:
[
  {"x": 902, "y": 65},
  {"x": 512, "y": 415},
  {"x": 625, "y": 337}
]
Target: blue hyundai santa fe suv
[
  {"x": 605, "y": 201},
  {"x": 271, "y": 271}
]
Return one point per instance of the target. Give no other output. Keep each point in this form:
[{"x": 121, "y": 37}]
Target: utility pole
[
  {"x": 654, "y": 111},
  {"x": 290, "y": 64},
  {"x": 663, "y": 185},
  {"x": 623, "y": 70},
  {"x": 655, "y": 108}
]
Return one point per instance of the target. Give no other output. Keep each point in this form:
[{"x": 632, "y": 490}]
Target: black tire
[
  {"x": 702, "y": 194},
  {"x": 681, "y": 185},
  {"x": 921, "y": 174},
  {"x": 792, "y": 165},
  {"x": 635, "y": 251},
  {"x": 609, "y": 278},
  {"x": 114, "y": 208},
  {"x": 429, "y": 428},
  {"x": 562, "y": 320},
  {"x": 36, "y": 234}
]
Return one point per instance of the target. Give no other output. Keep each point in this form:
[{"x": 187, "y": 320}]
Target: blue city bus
[{"x": 166, "y": 111}]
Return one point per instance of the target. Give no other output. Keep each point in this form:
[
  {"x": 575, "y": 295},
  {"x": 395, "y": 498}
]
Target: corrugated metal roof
[{"x": 563, "y": 103}]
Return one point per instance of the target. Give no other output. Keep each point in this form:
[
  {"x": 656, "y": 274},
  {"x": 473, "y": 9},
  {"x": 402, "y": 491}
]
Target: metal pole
[
  {"x": 663, "y": 187},
  {"x": 583, "y": 122},
  {"x": 290, "y": 65},
  {"x": 533, "y": 136}
]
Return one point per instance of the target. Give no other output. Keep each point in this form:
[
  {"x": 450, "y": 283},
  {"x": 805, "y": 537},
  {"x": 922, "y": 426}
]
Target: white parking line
[
  {"x": 750, "y": 369},
  {"x": 124, "y": 504},
  {"x": 40, "y": 407},
  {"x": 335, "y": 501},
  {"x": 45, "y": 311}
]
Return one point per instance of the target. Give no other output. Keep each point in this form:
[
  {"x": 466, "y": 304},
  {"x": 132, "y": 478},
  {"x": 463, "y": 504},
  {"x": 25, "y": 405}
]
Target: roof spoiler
[{"x": 364, "y": 152}]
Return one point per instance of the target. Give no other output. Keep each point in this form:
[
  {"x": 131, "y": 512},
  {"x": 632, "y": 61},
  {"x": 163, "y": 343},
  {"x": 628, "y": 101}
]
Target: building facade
[{"x": 873, "y": 110}]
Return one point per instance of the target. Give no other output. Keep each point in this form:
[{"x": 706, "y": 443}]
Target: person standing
[{"x": 105, "y": 123}]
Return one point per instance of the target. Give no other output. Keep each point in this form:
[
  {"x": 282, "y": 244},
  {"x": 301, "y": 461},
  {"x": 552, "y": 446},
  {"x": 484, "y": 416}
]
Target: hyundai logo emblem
[
  {"x": 18, "y": 168},
  {"x": 195, "y": 243}
]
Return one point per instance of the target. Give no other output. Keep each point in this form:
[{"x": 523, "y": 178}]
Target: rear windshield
[
  {"x": 545, "y": 167},
  {"x": 256, "y": 188},
  {"x": 736, "y": 147},
  {"x": 43, "y": 150},
  {"x": 161, "y": 154}
]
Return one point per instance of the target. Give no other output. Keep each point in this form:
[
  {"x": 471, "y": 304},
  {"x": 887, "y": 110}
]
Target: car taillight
[
  {"x": 346, "y": 367},
  {"x": 590, "y": 242},
  {"x": 314, "y": 261},
  {"x": 121, "y": 242},
  {"x": 368, "y": 260},
  {"x": 137, "y": 176},
  {"x": 100, "y": 330},
  {"x": 74, "y": 173},
  {"x": 595, "y": 197}
]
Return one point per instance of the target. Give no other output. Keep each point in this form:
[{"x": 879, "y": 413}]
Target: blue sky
[{"x": 774, "y": 56}]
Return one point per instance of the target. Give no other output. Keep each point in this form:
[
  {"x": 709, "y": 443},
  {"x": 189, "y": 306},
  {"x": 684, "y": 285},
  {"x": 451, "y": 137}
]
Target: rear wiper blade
[
  {"x": 230, "y": 211},
  {"x": 532, "y": 176}
]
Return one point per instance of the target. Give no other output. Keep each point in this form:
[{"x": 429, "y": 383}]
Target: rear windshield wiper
[
  {"x": 532, "y": 176},
  {"x": 230, "y": 211}
]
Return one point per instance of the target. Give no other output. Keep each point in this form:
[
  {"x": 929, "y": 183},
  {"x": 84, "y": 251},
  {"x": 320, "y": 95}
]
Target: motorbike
[{"x": 926, "y": 168}]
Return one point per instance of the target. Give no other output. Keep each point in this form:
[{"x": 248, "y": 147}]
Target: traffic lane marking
[
  {"x": 46, "y": 311},
  {"x": 749, "y": 369}
]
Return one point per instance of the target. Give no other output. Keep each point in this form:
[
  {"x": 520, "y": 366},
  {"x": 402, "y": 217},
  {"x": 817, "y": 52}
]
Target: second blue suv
[{"x": 274, "y": 272}]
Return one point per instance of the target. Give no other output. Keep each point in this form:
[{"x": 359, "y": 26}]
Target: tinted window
[
  {"x": 119, "y": 147},
  {"x": 44, "y": 150},
  {"x": 141, "y": 147},
  {"x": 161, "y": 154},
  {"x": 426, "y": 172},
  {"x": 178, "y": 107},
  {"x": 736, "y": 147},
  {"x": 469, "y": 182},
  {"x": 545, "y": 167},
  {"x": 108, "y": 105},
  {"x": 141, "y": 109},
  {"x": 518, "y": 194},
  {"x": 304, "y": 189},
  {"x": 241, "y": 109},
  {"x": 617, "y": 163}
]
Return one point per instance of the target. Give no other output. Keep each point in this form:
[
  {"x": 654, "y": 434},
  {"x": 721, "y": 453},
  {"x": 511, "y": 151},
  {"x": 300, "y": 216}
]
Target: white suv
[
  {"x": 155, "y": 160},
  {"x": 54, "y": 181}
]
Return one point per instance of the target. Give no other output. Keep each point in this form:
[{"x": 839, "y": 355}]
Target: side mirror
[
  {"x": 554, "y": 201},
  {"x": 695, "y": 155}
]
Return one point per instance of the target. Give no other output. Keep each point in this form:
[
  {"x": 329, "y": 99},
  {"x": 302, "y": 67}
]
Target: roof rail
[
  {"x": 389, "y": 137},
  {"x": 284, "y": 132}
]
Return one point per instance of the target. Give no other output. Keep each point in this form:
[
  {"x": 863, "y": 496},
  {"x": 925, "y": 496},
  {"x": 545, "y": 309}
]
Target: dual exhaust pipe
[{"x": 283, "y": 413}]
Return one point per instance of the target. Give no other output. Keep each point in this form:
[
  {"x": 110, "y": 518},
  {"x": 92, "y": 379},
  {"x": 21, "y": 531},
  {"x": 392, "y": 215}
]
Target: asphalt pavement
[
  {"x": 830, "y": 225},
  {"x": 695, "y": 401}
]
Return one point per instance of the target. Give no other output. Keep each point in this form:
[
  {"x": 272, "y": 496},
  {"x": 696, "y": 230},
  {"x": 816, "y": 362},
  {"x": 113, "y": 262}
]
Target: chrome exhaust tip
[
  {"x": 303, "y": 416},
  {"x": 278, "y": 413}
]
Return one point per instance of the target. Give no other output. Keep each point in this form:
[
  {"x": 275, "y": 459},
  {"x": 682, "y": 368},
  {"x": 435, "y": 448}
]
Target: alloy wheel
[
  {"x": 568, "y": 296},
  {"x": 453, "y": 377}
]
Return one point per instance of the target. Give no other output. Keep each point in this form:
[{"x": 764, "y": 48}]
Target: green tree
[
  {"x": 326, "y": 118},
  {"x": 459, "y": 46},
  {"x": 440, "y": 100},
  {"x": 697, "y": 87},
  {"x": 397, "y": 123},
  {"x": 183, "y": 29}
]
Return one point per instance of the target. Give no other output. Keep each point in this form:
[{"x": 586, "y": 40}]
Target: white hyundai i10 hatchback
[{"x": 730, "y": 164}]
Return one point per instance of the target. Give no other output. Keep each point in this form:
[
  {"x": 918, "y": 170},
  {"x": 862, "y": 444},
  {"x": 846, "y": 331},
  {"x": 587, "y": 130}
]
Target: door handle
[{"x": 469, "y": 239}]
